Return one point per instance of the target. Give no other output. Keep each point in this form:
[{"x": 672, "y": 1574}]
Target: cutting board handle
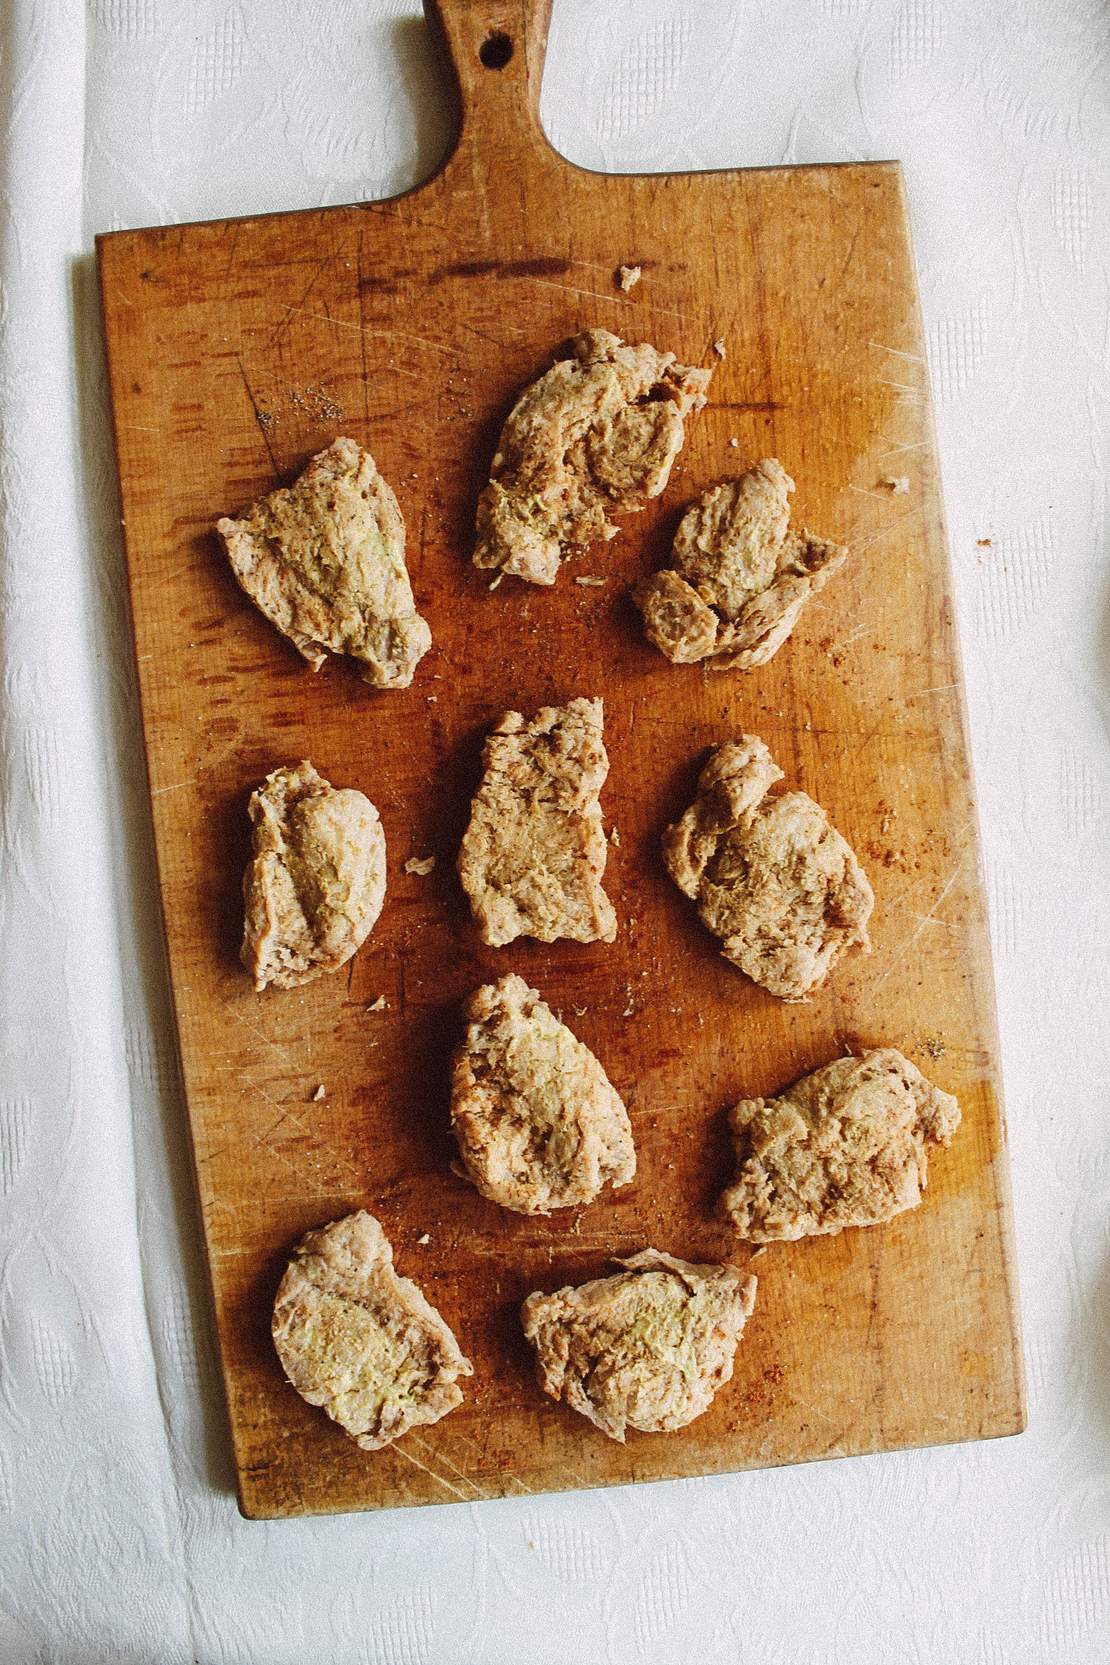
[{"x": 497, "y": 50}]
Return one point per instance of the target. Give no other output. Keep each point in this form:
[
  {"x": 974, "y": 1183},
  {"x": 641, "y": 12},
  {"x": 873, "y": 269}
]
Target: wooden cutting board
[{"x": 239, "y": 348}]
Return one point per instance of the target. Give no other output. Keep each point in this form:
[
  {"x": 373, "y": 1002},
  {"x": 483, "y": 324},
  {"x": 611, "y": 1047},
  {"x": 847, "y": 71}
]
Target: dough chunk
[
  {"x": 846, "y": 1146},
  {"x": 324, "y": 559},
  {"x": 315, "y": 886},
  {"x": 538, "y": 1123},
  {"x": 533, "y": 856},
  {"x": 361, "y": 1342},
  {"x": 645, "y": 1349},
  {"x": 771, "y": 876},
  {"x": 595, "y": 436},
  {"x": 738, "y": 577}
]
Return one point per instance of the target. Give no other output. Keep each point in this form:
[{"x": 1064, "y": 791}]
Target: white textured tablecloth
[{"x": 119, "y": 1538}]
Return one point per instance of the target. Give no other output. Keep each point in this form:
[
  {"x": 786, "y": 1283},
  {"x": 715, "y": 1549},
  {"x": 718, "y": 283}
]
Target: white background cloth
[{"x": 119, "y": 1539}]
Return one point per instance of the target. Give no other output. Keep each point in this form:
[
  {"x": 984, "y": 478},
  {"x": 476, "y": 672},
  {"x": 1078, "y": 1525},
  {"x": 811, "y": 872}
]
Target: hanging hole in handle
[{"x": 496, "y": 50}]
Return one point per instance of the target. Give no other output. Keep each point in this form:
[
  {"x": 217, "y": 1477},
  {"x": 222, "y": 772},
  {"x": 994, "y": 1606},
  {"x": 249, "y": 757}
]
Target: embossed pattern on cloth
[{"x": 120, "y": 1541}]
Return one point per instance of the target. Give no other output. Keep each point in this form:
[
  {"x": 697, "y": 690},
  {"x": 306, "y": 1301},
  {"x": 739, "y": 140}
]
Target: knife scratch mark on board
[
  {"x": 176, "y": 786},
  {"x": 884, "y": 531},
  {"x": 914, "y": 358},
  {"x": 900, "y": 450},
  {"x": 847, "y": 261},
  {"x": 923, "y": 920},
  {"x": 371, "y": 329},
  {"x": 283, "y": 322},
  {"x": 443, "y": 1457},
  {"x": 616, "y": 299},
  {"x": 510, "y": 1474},
  {"x": 258, "y": 416},
  {"x": 236, "y": 227},
  {"x": 907, "y": 393},
  {"x": 433, "y": 1474},
  {"x": 275, "y": 1046}
]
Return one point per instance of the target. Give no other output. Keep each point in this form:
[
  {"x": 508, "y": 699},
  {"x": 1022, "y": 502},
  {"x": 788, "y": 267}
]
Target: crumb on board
[
  {"x": 321, "y": 1092},
  {"x": 378, "y": 1005},
  {"x": 431, "y": 698},
  {"x": 424, "y": 1240},
  {"x": 580, "y": 1011},
  {"x": 588, "y": 578},
  {"x": 719, "y": 346},
  {"x": 421, "y": 865},
  {"x": 315, "y": 400},
  {"x": 494, "y": 582},
  {"x": 934, "y": 1046},
  {"x": 628, "y": 277},
  {"x": 630, "y": 1004},
  {"x": 614, "y": 837},
  {"x": 983, "y": 543},
  {"x": 897, "y": 484},
  {"x": 734, "y": 442},
  {"x": 889, "y": 856}
]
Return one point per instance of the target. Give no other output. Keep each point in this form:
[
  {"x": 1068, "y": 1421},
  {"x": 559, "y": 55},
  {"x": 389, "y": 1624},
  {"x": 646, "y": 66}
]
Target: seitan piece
[
  {"x": 315, "y": 885},
  {"x": 538, "y": 1122},
  {"x": 324, "y": 559},
  {"x": 645, "y": 1349},
  {"x": 533, "y": 856},
  {"x": 361, "y": 1342},
  {"x": 771, "y": 876},
  {"x": 846, "y": 1146},
  {"x": 595, "y": 436},
  {"x": 738, "y": 577}
]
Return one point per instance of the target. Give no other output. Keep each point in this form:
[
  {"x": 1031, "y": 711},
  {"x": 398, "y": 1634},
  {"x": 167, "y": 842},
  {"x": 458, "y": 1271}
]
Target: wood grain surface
[{"x": 236, "y": 350}]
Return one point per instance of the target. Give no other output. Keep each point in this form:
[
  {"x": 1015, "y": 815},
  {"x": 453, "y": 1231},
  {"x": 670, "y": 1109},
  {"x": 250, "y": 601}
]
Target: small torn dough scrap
[
  {"x": 595, "y": 436},
  {"x": 314, "y": 887},
  {"x": 361, "y": 1342},
  {"x": 628, "y": 277},
  {"x": 719, "y": 347},
  {"x": 324, "y": 560},
  {"x": 533, "y": 856},
  {"x": 539, "y": 1125},
  {"x": 420, "y": 865},
  {"x": 648, "y": 1348},
  {"x": 771, "y": 876},
  {"x": 846, "y": 1146},
  {"x": 898, "y": 485},
  {"x": 739, "y": 577}
]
